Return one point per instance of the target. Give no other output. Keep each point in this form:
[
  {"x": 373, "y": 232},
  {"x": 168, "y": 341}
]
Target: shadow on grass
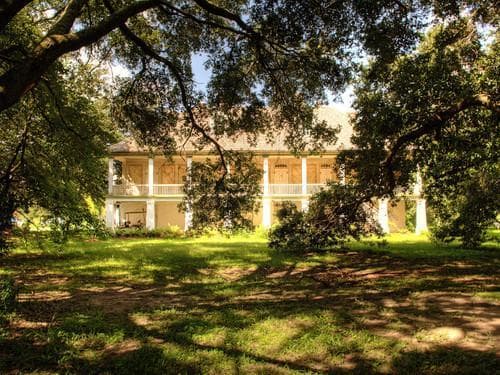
[{"x": 172, "y": 307}]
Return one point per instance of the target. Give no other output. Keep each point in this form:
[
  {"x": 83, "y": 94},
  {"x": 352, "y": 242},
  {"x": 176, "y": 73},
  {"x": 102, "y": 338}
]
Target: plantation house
[{"x": 145, "y": 190}]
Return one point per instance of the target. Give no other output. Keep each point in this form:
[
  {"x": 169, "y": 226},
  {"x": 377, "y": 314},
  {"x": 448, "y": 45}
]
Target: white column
[
  {"x": 421, "y": 217},
  {"x": 150, "y": 214},
  {"x": 111, "y": 172},
  {"x": 265, "y": 175},
  {"x": 305, "y": 200},
  {"x": 266, "y": 200},
  {"x": 188, "y": 215},
  {"x": 383, "y": 214},
  {"x": 421, "y": 212},
  {"x": 151, "y": 175},
  {"x": 117, "y": 215},
  {"x": 110, "y": 214}
]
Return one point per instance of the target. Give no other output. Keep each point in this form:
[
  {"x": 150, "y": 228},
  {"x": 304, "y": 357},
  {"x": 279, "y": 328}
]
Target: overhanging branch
[
  {"x": 148, "y": 50},
  {"x": 436, "y": 122}
]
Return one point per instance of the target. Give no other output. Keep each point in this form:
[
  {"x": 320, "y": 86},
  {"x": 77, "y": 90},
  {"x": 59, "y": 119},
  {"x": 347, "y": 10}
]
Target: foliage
[
  {"x": 270, "y": 63},
  {"x": 467, "y": 209},
  {"x": 292, "y": 231},
  {"x": 167, "y": 232},
  {"x": 222, "y": 199},
  {"x": 434, "y": 110},
  {"x": 8, "y": 294},
  {"x": 335, "y": 215},
  {"x": 54, "y": 142}
]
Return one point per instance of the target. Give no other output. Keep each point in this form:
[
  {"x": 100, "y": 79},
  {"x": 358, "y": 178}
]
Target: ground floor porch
[{"x": 154, "y": 213}]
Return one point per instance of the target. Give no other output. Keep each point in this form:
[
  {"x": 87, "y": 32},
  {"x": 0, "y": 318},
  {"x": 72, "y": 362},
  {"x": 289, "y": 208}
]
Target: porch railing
[
  {"x": 168, "y": 189},
  {"x": 129, "y": 189},
  {"x": 285, "y": 189}
]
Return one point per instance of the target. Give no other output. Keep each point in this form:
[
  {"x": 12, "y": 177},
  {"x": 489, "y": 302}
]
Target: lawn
[{"x": 218, "y": 305}]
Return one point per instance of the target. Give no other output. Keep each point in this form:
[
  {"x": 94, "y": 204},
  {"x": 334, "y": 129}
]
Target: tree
[
  {"x": 54, "y": 141},
  {"x": 435, "y": 110},
  {"x": 224, "y": 204},
  {"x": 264, "y": 53},
  {"x": 335, "y": 215}
]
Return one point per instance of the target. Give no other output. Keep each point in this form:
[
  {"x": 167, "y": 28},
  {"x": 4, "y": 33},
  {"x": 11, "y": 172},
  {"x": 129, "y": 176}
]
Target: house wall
[
  {"x": 397, "y": 216},
  {"x": 168, "y": 214},
  {"x": 282, "y": 170}
]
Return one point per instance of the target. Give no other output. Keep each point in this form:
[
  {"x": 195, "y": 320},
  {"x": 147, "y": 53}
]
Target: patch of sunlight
[
  {"x": 493, "y": 295},
  {"x": 440, "y": 334},
  {"x": 272, "y": 334}
]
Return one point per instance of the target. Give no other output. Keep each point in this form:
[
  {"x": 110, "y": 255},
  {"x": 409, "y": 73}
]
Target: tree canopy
[{"x": 262, "y": 54}]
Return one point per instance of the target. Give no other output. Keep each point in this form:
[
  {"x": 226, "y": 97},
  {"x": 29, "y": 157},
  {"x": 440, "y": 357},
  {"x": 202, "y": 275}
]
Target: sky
[{"x": 202, "y": 76}]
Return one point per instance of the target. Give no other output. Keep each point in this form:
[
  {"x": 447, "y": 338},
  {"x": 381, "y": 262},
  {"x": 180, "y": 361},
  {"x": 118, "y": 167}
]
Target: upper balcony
[
  {"x": 176, "y": 190},
  {"x": 283, "y": 175}
]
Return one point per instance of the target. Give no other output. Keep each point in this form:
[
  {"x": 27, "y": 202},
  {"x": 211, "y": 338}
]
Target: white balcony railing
[
  {"x": 285, "y": 189},
  {"x": 168, "y": 189},
  {"x": 130, "y": 189}
]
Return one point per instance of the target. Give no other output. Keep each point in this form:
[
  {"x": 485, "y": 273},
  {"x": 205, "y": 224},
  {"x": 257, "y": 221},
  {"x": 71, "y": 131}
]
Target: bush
[
  {"x": 8, "y": 294},
  {"x": 466, "y": 211},
  {"x": 291, "y": 233},
  {"x": 167, "y": 232},
  {"x": 336, "y": 214}
]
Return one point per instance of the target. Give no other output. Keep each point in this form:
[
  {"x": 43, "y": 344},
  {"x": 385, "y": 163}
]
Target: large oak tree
[{"x": 261, "y": 54}]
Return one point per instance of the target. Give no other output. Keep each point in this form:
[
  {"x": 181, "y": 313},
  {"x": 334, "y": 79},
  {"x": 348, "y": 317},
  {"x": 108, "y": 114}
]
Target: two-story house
[{"x": 145, "y": 190}]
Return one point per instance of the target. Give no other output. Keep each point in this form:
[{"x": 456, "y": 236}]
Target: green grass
[{"x": 231, "y": 305}]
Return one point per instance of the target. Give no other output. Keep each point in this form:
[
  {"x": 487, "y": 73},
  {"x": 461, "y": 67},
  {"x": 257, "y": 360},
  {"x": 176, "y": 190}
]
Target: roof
[{"x": 332, "y": 115}]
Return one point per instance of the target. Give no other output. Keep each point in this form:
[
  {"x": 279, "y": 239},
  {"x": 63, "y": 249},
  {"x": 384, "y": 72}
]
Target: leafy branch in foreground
[
  {"x": 225, "y": 201},
  {"x": 336, "y": 214}
]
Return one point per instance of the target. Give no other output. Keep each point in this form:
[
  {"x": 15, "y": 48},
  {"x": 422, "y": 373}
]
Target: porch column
[
  {"x": 150, "y": 214},
  {"x": 151, "y": 175},
  {"x": 110, "y": 213},
  {"x": 383, "y": 214},
  {"x": 421, "y": 212},
  {"x": 188, "y": 215},
  {"x": 305, "y": 200},
  {"x": 421, "y": 216},
  {"x": 111, "y": 172},
  {"x": 266, "y": 200}
]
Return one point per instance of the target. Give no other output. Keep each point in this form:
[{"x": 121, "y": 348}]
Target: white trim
[
  {"x": 421, "y": 216},
  {"x": 383, "y": 214},
  {"x": 188, "y": 215},
  {"x": 110, "y": 213},
  {"x": 304, "y": 176},
  {"x": 266, "y": 213},
  {"x": 150, "y": 214},
  {"x": 265, "y": 176},
  {"x": 111, "y": 171},
  {"x": 151, "y": 175}
]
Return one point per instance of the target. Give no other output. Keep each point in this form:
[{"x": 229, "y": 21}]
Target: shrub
[
  {"x": 466, "y": 211},
  {"x": 291, "y": 233},
  {"x": 8, "y": 294},
  {"x": 336, "y": 214},
  {"x": 168, "y": 232}
]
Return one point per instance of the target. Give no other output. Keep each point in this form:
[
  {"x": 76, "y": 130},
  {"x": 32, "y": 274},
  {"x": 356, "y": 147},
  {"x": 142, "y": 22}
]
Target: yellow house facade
[{"x": 145, "y": 190}]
